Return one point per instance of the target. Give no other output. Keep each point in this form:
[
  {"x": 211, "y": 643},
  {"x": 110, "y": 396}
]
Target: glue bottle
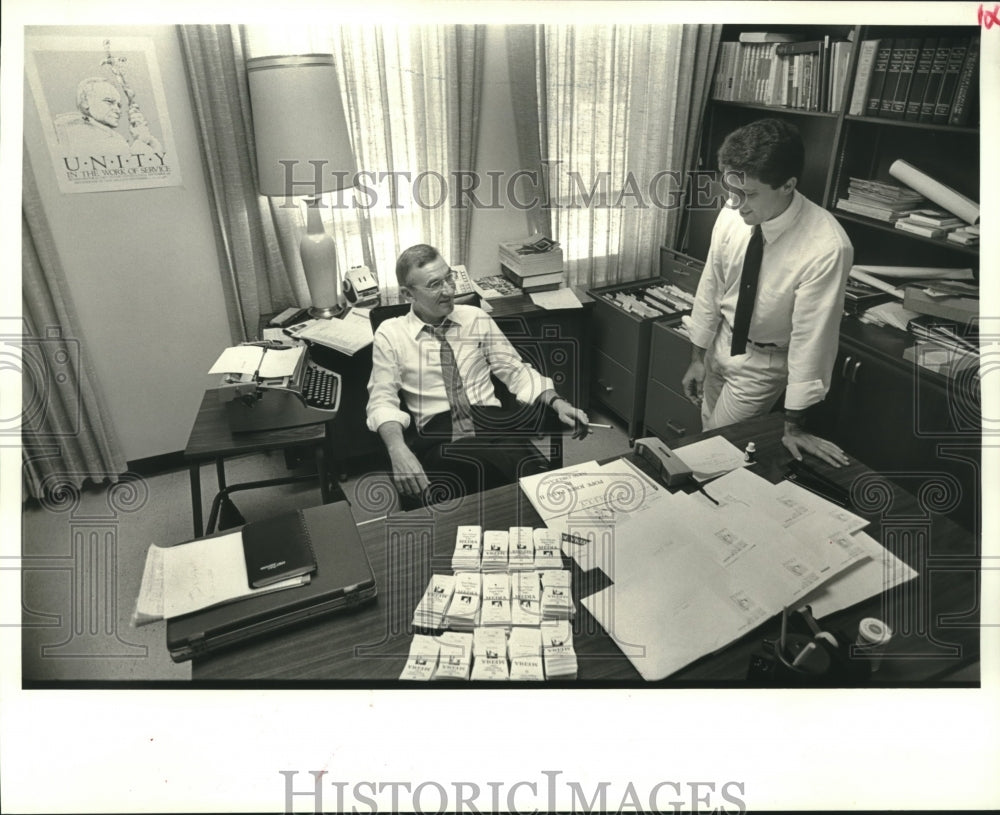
[{"x": 750, "y": 453}]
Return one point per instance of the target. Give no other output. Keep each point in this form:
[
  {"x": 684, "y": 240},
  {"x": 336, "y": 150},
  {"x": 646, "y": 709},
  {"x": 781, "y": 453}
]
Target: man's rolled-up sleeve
[{"x": 384, "y": 386}]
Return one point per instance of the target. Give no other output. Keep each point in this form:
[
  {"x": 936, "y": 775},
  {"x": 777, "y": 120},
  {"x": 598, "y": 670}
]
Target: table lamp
[{"x": 303, "y": 148}]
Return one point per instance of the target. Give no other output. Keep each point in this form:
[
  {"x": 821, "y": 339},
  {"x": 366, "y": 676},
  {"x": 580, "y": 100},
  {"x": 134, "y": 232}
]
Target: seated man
[{"x": 440, "y": 356}]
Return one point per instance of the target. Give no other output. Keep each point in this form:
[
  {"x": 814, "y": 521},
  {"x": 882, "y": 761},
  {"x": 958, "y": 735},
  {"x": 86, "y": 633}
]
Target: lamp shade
[{"x": 298, "y": 120}]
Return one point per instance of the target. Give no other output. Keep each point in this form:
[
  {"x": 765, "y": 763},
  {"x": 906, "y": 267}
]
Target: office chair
[{"x": 537, "y": 424}]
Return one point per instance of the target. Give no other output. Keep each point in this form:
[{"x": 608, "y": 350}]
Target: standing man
[
  {"x": 766, "y": 317},
  {"x": 439, "y": 357}
]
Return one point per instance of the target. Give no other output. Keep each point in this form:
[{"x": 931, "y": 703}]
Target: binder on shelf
[
  {"x": 966, "y": 91},
  {"x": 882, "y": 56},
  {"x": 921, "y": 74},
  {"x": 908, "y": 64},
  {"x": 949, "y": 82},
  {"x": 893, "y": 72},
  {"x": 938, "y": 65}
]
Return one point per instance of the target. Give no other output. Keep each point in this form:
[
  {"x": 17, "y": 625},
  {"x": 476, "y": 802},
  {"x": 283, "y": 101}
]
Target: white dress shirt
[
  {"x": 406, "y": 359},
  {"x": 800, "y": 292}
]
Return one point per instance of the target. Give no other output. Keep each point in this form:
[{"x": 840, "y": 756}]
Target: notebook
[
  {"x": 278, "y": 548},
  {"x": 343, "y": 579}
]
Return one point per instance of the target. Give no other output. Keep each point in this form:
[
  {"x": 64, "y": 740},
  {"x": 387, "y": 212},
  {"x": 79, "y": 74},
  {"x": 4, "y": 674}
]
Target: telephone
[
  {"x": 360, "y": 286},
  {"x": 463, "y": 283}
]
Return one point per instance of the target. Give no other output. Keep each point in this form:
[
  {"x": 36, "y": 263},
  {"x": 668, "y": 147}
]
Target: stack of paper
[
  {"x": 489, "y": 653},
  {"x": 494, "y": 551},
  {"x": 557, "y": 598},
  {"x": 524, "y": 648},
  {"x": 423, "y": 659},
  {"x": 526, "y": 596},
  {"x": 557, "y": 650},
  {"x": 548, "y": 552},
  {"x": 463, "y": 611},
  {"x": 496, "y": 601},
  {"x": 192, "y": 576},
  {"x": 348, "y": 335},
  {"x": 431, "y": 609},
  {"x": 711, "y": 457},
  {"x": 468, "y": 542},
  {"x": 521, "y": 554},
  {"x": 455, "y": 658}
]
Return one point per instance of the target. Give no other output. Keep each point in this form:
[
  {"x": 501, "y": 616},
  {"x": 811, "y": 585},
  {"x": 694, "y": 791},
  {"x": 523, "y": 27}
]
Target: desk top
[
  {"x": 211, "y": 436},
  {"x": 936, "y": 615}
]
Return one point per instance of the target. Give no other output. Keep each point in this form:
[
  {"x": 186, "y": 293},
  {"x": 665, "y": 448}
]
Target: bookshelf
[
  {"x": 908, "y": 421},
  {"x": 841, "y": 145}
]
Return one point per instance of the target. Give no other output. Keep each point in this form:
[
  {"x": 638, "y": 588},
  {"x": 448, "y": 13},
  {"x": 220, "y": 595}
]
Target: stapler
[{"x": 667, "y": 464}]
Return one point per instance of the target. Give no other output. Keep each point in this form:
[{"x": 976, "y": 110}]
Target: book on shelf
[
  {"x": 938, "y": 65},
  {"x": 920, "y": 229},
  {"x": 767, "y": 37},
  {"x": 863, "y": 77},
  {"x": 880, "y": 212},
  {"x": 921, "y": 73},
  {"x": 908, "y": 62},
  {"x": 840, "y": 58},
  {"x": 949, "y": 81},
  {"x": 878, "y": 80},
  {"x": 964, "y": 235},
  {"x": 966, "y": 90},
  {"x": 528, "y": 257},
  {"x": 924, "y": 298},
  {"x": 935, "y": 217}
]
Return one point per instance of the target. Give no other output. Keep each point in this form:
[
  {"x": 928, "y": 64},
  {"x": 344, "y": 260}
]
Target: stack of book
[
  {"x": 454, "y": 656},
  {"x": 942, "y": 346},
  {"x": 521, "y": 551},
  {"x": 557, "y": 599},
  {"x": 920, "y": 79},
  {"x": 931, "y": 223},
  {"x": 489, "y": 651},
  {"x": 495, "y": 542},
  {"x": 966, "y": 235},
  {"x": 557, "y": 650},
  {"x": 526, "y": 599},
  {"x": 496, "y": 601},
  {"x": 532, "y": 265},
  {"x": 880, "y": 200}
]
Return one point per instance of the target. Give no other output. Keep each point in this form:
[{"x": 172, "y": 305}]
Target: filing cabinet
[
  {"x": 623, "y": 318},
  {"x": 668, "y": 413}
]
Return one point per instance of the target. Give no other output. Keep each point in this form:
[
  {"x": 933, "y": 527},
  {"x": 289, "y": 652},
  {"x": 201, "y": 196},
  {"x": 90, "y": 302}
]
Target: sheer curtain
[
  {"x": 619, "y": 109},
  {"x": 66, "y": 440},
  {"x": 411, "y": 94}
]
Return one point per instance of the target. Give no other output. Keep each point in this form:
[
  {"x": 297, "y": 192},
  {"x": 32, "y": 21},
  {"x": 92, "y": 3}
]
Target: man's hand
[
  {"x": 798, "y": 442},
  {"x": 572, "y": 417},
  {"x": 407, "y": 472},
  {"x": 693, "y": 382}
]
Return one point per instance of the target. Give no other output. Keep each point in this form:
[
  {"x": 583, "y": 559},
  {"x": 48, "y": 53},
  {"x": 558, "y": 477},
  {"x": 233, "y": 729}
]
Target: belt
[{"x": 764, "y": 344}]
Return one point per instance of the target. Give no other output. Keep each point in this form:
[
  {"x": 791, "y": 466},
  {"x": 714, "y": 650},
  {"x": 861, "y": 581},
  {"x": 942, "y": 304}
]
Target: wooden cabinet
[
  {"x": 669, "y": 414},
  {"x": 916, "y": 427}
]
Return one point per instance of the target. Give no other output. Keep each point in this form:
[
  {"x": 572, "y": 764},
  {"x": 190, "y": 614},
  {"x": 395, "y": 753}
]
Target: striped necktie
[
  {"x": 748, "y": 292},
  {"x": 461, "y": 410}
]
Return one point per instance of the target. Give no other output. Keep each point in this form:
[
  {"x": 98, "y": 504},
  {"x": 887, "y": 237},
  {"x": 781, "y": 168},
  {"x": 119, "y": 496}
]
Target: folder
[{"x": 343, "y": 580}]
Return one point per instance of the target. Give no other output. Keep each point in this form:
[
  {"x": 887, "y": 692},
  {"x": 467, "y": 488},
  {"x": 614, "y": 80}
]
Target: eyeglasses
[{"x": 438, "y": 285}]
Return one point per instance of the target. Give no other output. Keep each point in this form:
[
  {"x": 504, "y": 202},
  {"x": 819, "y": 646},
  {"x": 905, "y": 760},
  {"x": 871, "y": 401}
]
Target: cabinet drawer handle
[
  {"x": 605, "y": 388},
  {"x": 843, "y": 368},
  {"x": 854, "y": 371},
  {"x": 680, "y": 431}
]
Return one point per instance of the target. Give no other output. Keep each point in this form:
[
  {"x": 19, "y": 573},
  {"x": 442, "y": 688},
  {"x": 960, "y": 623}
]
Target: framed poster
[{"x": 103, "y": 112}]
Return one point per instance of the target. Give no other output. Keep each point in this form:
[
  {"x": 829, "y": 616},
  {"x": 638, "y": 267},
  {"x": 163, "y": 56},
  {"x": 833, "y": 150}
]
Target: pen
[
  {"x": 594, "y": 424},
  {"x": 810, "y": 647}
]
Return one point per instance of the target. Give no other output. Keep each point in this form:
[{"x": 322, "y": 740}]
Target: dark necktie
[
  {"x": 461, "y": 409},
  {"x": 748, "y": 292}
]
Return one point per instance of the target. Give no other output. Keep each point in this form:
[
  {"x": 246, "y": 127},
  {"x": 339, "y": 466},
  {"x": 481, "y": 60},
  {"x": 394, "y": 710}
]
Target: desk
[
  {"x": 212, "y": 440},
  {"x": 935, "y": 616}
]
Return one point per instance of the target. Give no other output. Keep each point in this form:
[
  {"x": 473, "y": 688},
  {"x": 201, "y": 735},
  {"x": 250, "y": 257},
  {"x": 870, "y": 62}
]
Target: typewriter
[{"x": 309, "y": 396}]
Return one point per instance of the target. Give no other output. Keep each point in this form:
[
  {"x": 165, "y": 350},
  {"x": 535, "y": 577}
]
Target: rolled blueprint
[{"x": 937, "y": 192}]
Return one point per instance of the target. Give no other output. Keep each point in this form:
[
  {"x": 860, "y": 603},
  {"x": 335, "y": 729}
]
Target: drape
[
  {"x": 618, "y": 112},
  {"x": 411, "y": 95},
  {"x": 65, "y": 437}
]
